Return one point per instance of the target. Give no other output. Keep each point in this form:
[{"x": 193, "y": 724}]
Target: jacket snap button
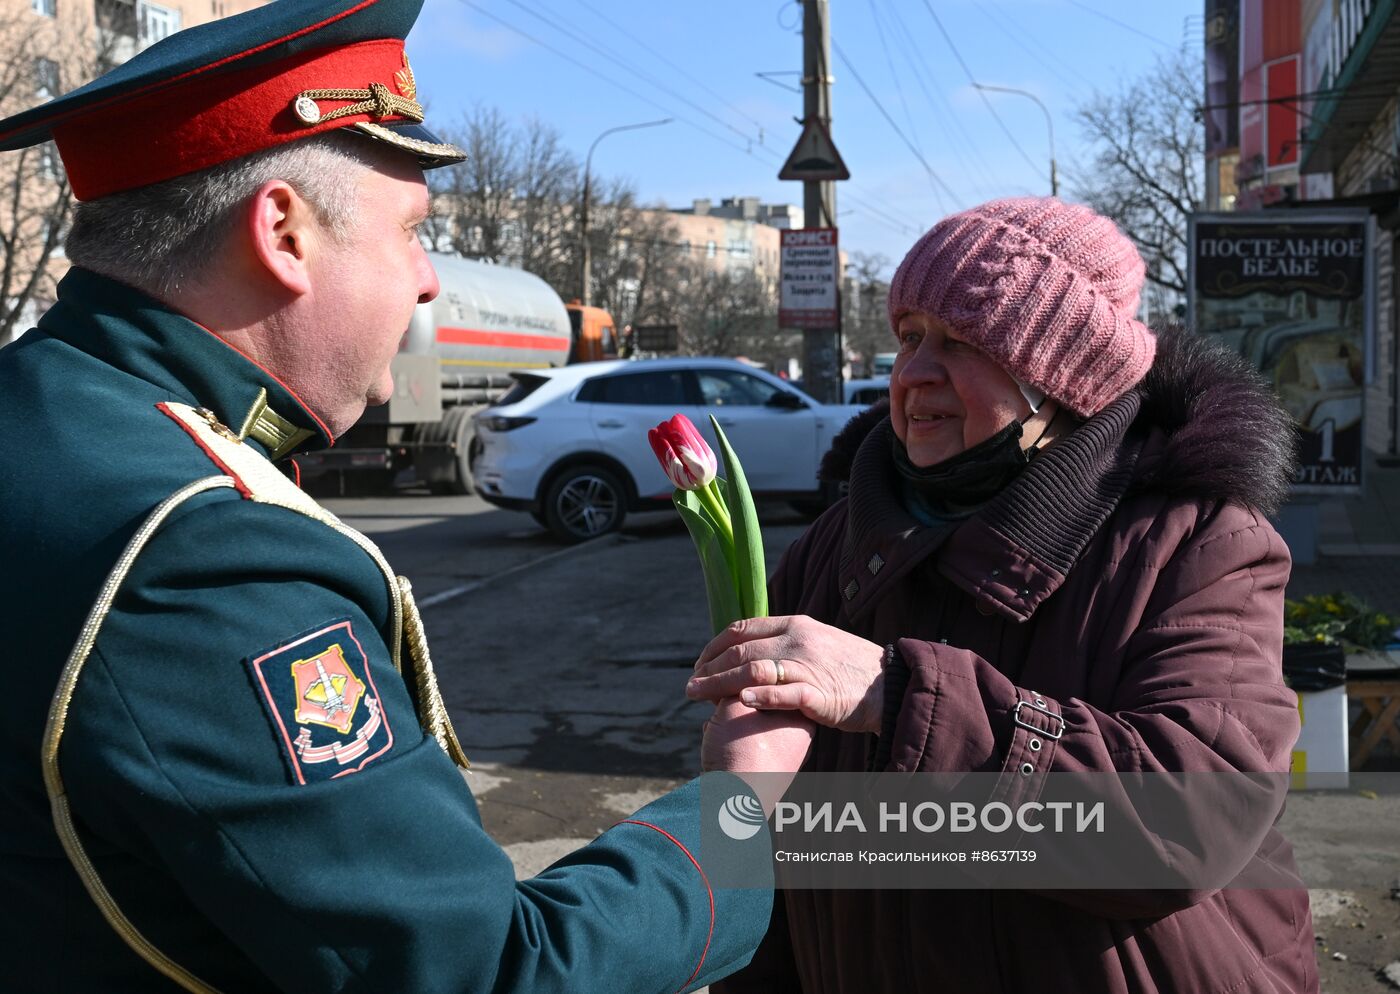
[
  {"x": 1035, "y": 745},
  {"x": 1027, "y": 769},
  {"x": 1025, "y": 591},
  {"x": 996, "y": 572}
]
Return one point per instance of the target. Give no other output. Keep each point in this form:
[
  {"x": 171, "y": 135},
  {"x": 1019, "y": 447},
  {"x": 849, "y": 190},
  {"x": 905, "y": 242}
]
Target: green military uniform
[{"x": 244, "y": 761}]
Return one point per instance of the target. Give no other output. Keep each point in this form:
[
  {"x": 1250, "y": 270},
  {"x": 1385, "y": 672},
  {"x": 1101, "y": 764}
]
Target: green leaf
[
  {"x": 748, "y": 540},
  {"x": 723, "y": 598}
]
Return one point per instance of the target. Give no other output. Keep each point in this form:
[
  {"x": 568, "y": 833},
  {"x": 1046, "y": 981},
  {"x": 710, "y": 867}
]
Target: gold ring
[{"x": 782, "y": 677}]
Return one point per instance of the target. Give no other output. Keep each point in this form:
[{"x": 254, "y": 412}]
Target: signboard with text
[
  {"x": 1292, "y": 291},
  {"x": 657, "y": 338},
  {"x": 810, "y": 279}
]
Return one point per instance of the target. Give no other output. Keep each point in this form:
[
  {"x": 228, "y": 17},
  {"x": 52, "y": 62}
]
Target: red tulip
[{"x": 685, "y": 456}]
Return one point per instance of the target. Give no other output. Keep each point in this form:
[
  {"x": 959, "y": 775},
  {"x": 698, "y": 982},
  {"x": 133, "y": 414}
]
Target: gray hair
[{"x": 161, "y": 237}]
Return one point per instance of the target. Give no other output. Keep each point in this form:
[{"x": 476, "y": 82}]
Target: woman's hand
[{"x": 794, "y": 663}]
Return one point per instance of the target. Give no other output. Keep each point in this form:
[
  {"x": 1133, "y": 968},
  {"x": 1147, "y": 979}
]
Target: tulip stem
[{"x": 714, "y": 503}]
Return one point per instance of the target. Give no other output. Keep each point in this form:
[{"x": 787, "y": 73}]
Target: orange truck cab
[{"x": 594, "y": 335}]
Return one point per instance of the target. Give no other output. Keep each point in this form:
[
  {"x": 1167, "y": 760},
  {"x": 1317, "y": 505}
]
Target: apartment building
[{"x": 48, "y": 47}]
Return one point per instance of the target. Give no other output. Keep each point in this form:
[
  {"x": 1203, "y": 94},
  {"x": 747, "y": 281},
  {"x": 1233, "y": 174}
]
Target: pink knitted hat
[{"x": 1047, "y": 289}]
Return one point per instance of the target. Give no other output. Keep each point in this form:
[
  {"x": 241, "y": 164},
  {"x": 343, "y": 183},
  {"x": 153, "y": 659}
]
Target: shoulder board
[{"x": 255, "y": 477}]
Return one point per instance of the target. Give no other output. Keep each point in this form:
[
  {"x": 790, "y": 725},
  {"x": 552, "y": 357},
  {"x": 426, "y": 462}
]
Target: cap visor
[{"x": 430, "y": 150}]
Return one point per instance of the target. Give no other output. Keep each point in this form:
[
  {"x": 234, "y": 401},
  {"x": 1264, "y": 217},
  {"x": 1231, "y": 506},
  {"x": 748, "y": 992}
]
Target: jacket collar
[
  {"x": 137, "y": 334},
  {"x": 1017, "y": 549}
]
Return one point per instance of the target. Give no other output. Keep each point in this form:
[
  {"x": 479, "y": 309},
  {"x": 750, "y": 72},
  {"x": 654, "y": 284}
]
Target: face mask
[{"x": 973, "y": 476}]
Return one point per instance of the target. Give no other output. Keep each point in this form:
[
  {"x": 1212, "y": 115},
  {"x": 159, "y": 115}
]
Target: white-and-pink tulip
[
  {"x": 720, "y": 516},
  {"x": 685, "y": 456}
]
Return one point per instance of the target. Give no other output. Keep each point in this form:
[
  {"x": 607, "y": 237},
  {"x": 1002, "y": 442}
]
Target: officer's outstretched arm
[{"x": 246, "y": 768}]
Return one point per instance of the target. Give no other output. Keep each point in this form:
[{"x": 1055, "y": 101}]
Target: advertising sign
[
  {"x": 1292, "y": 292},
  {"x": 809, "y": 279},
  {"x": 657, "y": 337},
  {"x": 1222, "y": 75}
]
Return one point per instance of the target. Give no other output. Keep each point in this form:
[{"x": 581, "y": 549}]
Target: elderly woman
[{"x": 1064, "y": 510}]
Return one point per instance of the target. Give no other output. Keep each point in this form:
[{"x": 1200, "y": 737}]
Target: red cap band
[{"x": 212, "y": 119}]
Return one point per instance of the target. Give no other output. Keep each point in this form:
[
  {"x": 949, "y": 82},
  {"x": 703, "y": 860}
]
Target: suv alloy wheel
[{"x": 584, "y": 502}]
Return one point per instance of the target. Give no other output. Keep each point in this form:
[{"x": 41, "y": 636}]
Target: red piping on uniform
[
  {"x": 275, "y": 378},
  {"x": 704, "y": 952},
  {"x": 242, "y": 487},
  {"x": 117, "y": 98},
  {"x": 501, "y": 339}
]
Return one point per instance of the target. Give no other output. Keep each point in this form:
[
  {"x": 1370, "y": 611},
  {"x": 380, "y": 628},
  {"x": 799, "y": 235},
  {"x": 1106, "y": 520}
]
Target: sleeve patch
[{"x": 321, "y": 699}]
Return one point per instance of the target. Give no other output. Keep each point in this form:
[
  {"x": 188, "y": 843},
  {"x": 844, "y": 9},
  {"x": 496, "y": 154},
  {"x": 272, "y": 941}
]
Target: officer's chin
[{"x": 380, "y": 393}]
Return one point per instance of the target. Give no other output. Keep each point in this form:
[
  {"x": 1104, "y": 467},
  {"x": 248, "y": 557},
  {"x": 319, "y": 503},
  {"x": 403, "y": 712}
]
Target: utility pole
[{"x": 821, "y": 347}]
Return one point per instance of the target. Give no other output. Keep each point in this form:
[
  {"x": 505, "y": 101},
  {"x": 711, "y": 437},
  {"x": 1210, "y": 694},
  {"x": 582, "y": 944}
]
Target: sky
[{"x": 584, "y": 66}]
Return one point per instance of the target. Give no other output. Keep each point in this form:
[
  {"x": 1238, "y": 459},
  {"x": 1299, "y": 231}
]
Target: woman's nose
[{"x": 922, "y": 367}]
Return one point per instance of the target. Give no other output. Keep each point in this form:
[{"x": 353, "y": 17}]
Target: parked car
[
  {"x": 863, "y": 393},
  {"x": 569, "y": 445}
]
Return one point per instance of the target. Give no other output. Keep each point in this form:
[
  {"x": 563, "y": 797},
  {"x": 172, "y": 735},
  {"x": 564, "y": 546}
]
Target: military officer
[{"x": 224, "y": 761}]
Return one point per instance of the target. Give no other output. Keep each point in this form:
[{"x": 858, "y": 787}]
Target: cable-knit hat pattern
[{"x": 1047, "y": 289}]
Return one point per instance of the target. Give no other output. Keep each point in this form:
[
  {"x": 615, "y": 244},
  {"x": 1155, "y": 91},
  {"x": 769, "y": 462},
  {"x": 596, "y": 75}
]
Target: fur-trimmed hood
[{"x": 1225, "y": 436}]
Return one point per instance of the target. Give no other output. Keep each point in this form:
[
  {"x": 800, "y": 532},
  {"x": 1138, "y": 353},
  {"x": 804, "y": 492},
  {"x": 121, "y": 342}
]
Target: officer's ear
[{"x": 283, "y": 229}]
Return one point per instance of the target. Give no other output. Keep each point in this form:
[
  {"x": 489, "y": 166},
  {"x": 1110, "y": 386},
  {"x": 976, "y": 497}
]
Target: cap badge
[
  {"x": 408, "y": 86},
  {"x": 307, "y": 110},
  {"x": 376, "y": 100}
]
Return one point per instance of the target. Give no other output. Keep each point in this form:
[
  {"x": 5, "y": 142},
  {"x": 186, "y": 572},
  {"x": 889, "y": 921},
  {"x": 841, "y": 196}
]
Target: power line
[
  {"x": 1016, "y": 33},
  {"x": 887, "y": 219},
  {"x": 894, "y": 74},
  {"x": 985, "y": 102},
  {"x": 613, "y": 57},
  {"x": 594, "y": 72},
  {"x": 1122, "y": 24},
  {"x": 911, "y": 57},
  {"x": 693, "y": 79},
  {"x": 933, "y": 176}
]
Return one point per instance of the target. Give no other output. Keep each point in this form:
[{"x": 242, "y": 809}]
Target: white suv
[{"x": 570, "y": 445}]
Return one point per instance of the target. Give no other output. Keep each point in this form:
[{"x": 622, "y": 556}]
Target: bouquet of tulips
[{"x": 720, "y": 516}]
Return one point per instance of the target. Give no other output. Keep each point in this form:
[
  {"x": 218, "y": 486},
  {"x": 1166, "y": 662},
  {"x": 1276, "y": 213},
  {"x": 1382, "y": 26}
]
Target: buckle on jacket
[{"x": 1016, "y": 717}]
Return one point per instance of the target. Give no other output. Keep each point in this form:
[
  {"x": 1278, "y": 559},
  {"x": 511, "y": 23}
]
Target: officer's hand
[
  {"x": 765, "y": 748},
  {"x": 796, "y": 663}
]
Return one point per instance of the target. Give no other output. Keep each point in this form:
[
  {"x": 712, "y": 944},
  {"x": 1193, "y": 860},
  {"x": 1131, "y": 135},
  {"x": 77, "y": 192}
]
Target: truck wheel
[
  {"x": 584, "y": 502},
  {"x": 457, "y": 478}
]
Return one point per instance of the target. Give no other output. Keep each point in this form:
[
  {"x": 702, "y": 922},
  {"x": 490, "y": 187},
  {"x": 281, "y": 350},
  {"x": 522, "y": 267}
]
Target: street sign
[
  {"x": 814, "y": 157},
  {"x": 809, "y": 279},
  {"x": 1293, "y": 291},
  {"x": 656, "y": 337}
]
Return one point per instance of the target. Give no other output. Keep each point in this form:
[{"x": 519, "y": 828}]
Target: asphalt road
[{"x": 563, "y": 670}]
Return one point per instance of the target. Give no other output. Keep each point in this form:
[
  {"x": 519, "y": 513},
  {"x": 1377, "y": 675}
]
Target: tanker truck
[{"x": 455, "y": 359}]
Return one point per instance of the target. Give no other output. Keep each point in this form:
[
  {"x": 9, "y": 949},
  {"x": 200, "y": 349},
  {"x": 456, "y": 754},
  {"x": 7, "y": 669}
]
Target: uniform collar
[{"x": 139, "y": 335}]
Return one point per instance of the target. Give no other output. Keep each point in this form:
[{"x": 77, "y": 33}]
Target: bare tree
[
  {"x": 473, "y": 200},
  {"x": 727, "y": 312},
  {"x": 657, "y": 269},
  {"x": 517, "y": 200},
  {"x": 1145, "y": 173},
  {"x": 547, "y": 194},
  {"x": 864, "y": 323},
  {"x": 514, "y": 201},
  {"x": 39, "y": 59}
]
